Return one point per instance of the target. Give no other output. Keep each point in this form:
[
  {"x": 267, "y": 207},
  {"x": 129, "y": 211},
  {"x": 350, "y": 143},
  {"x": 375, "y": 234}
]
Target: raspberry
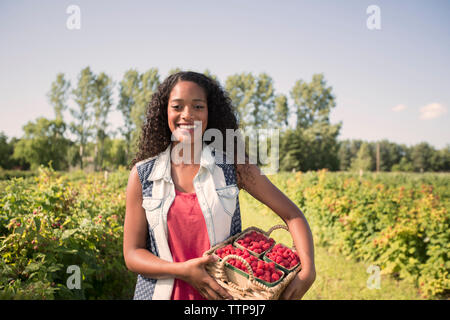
[
  {"x": 283, "y": 256},
  {"x": 260, "y": 264},
  {"x": 262, "y": 270},
  {"x": 256, "y": 242}
]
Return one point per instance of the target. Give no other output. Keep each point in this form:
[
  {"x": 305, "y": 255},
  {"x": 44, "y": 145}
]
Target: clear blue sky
[{"x": 392, "y": 83}]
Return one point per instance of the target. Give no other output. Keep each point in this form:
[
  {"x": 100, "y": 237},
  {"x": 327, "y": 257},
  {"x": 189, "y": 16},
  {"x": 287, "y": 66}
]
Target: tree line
[{"x": 308, "y": 141}]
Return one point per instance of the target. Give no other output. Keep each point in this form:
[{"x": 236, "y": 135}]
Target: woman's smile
[{"x": 187, "y": 111}]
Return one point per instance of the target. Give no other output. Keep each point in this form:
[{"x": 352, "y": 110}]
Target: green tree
[
  {"x": 310, "y": 149},
  {"x": 321, "y": 146},
  {"x": 390, "y": 154},
  {"x": 422, "y": 156},
  {"x": 58, "y": 95},
  {"x": 43, "y": 143},
  {"x": 149, "y": 82},
  {"x": 6, "y": 151},
  {"x": 102, "y": 107},
  {"x": 281, "y": 112},
  {"x": 403, "y": 166},
  {"x": 444, "y": 154},
  {"x": 240, "y": 88},
  {"x": 129, "y": 88},
  {"x": 363, "y": 160},
  {"x": 439, "y": 160},
  {"x": 263, "y": 102},
  {"x": 84, "y": 96},
  {"x": 291, "y": 150},
  {"x": 344, "y": 155},
  {"x": 312, "y": 101},
  {"x": 115, "y": 153},
  {"x": 354, "y": 147},
  {"x": 254, "y": 100},
  {"x": 135, "y": 93}
]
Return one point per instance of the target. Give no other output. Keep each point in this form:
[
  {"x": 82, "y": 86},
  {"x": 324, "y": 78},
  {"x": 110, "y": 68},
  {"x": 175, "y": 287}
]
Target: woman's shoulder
[
  {"x": 145, "y": 161},
  {"x": 142, "y": 169}
]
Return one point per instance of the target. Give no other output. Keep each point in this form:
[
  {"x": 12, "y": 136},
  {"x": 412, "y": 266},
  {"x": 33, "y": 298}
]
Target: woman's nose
[{"x": 187, "y": 113}]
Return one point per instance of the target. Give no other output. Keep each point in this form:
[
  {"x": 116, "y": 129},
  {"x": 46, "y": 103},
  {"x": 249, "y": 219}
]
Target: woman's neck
[{"x": 186, "y": 154}]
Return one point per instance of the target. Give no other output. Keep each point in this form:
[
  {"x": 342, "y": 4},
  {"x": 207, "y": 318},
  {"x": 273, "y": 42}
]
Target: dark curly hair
[{"x": 155, "y": 135}]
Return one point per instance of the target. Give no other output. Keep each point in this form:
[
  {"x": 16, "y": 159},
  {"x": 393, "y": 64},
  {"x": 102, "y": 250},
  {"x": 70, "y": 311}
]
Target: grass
[
  {"x": 341, "y": 279},
  {"x": 337, "y": 277}
]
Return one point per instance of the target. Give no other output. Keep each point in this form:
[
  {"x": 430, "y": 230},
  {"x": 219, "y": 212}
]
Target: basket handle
[
  {"x": 279, "y": 226},
  {"x": 246, "y": 264},
  {"x": 276, "y": 227}
]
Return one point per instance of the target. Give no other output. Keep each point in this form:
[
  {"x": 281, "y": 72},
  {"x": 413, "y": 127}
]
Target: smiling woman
[
  {"x": 176, "y": 211},
  {"x": 179, "y": 197}
]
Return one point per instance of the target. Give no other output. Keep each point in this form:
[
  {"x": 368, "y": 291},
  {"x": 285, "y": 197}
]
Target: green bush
[
  {"x": 398, "y": 222},
  {"x": 49, "y": 223},
  {"x": 10, "y": 174}
]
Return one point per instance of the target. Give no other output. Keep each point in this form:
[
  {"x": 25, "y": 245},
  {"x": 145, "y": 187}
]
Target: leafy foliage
[
  {"x": 43, "y": 143},
  {"x": 48, "y": 223},
  {"x": 398, "y": 222}
]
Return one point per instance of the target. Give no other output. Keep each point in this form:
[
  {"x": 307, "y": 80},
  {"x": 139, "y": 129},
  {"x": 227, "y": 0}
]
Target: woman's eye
[{"x": 199, "y": 107}]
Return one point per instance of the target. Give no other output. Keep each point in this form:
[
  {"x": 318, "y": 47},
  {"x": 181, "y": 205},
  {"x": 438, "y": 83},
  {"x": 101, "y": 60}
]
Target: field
[{"x": 397, "y": 223}]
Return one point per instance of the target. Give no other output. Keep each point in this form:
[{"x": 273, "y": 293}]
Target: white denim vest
[{"x": 217, "y": 193}]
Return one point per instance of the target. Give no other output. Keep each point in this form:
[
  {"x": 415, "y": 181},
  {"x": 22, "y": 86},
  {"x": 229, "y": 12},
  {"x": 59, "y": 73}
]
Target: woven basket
[{"x": 240, "y": 287}]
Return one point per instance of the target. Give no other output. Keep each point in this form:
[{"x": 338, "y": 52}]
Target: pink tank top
[{"x": 188, "y": 238}]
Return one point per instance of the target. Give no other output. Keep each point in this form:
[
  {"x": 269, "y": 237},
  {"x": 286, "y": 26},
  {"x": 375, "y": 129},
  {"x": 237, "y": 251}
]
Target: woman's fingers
[
  {"x": 208, "y": 293},
  {"x": 211, "y": 290},
  {"x": 212, "y": 294},
  {"x": 208, "y": 259},
  {"x": 204, "y": 293},
  {"x": 219, "y": 290},
  {"x": 205, "y": 284}
]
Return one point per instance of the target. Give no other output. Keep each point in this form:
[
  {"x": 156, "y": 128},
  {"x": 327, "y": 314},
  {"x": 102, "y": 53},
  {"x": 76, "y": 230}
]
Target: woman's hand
[
  {"x": 195, "y": 274},
  {"x": 299, "y": 285}
]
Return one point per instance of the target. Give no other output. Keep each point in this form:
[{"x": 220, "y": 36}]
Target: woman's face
[{"x": 187, "y": 111}]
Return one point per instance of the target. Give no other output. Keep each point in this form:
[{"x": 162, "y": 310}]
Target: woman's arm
[
  {"x": 260, "y": 187},
  {"x": 140, "y": 260}
]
